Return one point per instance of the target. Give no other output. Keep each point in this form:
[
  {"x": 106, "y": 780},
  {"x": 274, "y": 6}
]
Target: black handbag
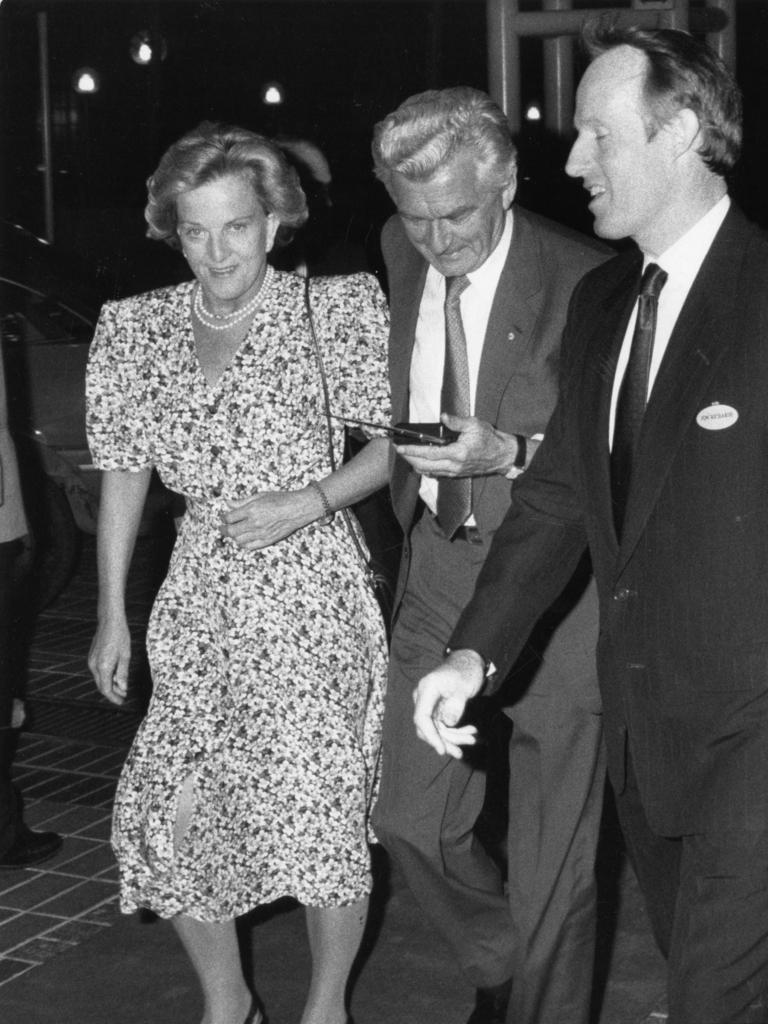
[{"x": 377, "y": 570}]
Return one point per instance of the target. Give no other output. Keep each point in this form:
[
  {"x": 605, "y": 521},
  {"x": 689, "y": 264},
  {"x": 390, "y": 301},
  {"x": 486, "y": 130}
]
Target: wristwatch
[
  {"x": 488, "y": 667},
  {"x": 522, "y": 451}
]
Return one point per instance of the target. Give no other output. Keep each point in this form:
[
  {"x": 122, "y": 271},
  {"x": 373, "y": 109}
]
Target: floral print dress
[{"x": 268, "y": 666}]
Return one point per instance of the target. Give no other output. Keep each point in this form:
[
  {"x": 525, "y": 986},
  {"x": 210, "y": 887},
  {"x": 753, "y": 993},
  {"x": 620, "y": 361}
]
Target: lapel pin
[
  {"x": 717, "y": 416},
  {"x": 511, "y": 336}
]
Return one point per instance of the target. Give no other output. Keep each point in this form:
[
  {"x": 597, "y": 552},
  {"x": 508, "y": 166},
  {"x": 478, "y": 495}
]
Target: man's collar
[
  {"x": 689, "y": 250},
  {"x": 495, "y": 262}
]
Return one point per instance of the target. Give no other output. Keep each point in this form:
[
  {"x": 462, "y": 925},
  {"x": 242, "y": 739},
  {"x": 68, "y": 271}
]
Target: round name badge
[{"x": 717, "y": 416}]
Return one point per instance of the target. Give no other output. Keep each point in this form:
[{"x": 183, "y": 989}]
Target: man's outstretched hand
[{"x": 441, "y": 698}]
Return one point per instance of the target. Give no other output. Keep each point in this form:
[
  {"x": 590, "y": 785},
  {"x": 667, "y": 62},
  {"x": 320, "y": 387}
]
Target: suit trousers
[
  {"x": 707, "y": 897},
  {"x": 557, "y": 783},
  {"x": 542, "y": 933}
]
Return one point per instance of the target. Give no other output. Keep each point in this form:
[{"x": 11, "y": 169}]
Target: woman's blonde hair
[{"x": 215, "y": 151}]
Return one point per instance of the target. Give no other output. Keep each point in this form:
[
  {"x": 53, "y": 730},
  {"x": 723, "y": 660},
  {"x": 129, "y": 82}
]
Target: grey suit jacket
[
  {"x": 516, "y": 393},
  {"x": 517, "y": 385}
]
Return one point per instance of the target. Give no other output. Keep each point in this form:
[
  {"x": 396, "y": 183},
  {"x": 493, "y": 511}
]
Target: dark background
[{"x": 343, "y": 66}]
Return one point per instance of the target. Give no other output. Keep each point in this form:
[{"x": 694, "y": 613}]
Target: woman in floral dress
[{"x": 252, "y": 775}]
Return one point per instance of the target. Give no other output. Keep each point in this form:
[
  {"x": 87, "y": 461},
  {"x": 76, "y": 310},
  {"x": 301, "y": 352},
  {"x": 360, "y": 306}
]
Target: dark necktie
[
  {"x": 454, "y": 495},
  {"x": 630, "y": 407}
]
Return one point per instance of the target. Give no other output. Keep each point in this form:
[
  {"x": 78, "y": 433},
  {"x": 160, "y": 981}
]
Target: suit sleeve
[{"x": 537, "y": 546}]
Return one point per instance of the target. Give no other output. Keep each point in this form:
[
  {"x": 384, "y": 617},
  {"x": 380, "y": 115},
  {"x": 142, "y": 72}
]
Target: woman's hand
[
  {"x": 267, "y": 518},
  {"x": 109, "y": 658}
]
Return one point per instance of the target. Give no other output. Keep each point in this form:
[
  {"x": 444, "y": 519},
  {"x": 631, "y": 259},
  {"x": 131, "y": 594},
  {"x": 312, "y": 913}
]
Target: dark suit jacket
[
  {"x": 516, "y": 392},
  {"x": 683, "y": 651}
]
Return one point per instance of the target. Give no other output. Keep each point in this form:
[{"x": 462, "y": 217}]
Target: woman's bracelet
[{"x": 327, "y": 517}]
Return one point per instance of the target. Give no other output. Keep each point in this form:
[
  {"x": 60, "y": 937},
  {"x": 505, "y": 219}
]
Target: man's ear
[
  {"x": 685, "y": 129},
  {"x": 508, "y": 193}
]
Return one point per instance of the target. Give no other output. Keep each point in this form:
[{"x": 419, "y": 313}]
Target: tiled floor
[
  {"x": 46, "y": 910},
  {"x": 67, "y": 765}
]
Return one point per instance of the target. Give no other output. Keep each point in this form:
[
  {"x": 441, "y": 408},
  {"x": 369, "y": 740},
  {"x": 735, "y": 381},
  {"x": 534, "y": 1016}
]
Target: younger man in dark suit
[
  {"x": 656, "y": 459},
  {"x": 478, "y": 296}
]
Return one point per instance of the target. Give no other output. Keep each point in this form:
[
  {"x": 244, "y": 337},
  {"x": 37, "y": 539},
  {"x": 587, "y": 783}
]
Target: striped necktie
[{"x": 454, "y": 494}]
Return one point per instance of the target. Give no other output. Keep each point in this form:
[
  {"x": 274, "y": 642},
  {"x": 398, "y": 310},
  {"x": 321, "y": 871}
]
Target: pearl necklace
[{"x": 223, "y": 321}]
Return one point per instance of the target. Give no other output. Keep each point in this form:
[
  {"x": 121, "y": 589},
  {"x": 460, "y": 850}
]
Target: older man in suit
[
  {"x": 656, "y": 459},
  {"x": 478, "y": 294}
]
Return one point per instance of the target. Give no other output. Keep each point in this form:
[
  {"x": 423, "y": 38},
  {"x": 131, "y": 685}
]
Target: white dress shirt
[
  {"x": 682, "y": 262},
  {"x": 426, "y": 377}
]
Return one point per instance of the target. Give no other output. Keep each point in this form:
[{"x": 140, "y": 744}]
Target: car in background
[{"x": 48, "y": 311}]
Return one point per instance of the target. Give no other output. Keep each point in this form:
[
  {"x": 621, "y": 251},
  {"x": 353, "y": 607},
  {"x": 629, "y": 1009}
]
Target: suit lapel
[
  {"x": 512, "y": 319},
  {"x": 406, "y": 292},
  {"x": 597, "y": 384},
  {"x": 701, "y": 337},
  {"x": 407, "y": 275}
]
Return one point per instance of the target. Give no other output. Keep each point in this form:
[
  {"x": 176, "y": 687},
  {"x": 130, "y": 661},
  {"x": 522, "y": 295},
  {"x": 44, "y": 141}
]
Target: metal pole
[
  {"x": 558, "y": 76},
  {"x": 45, "y": 117},
  {"x": 504, "y": 59},
  {"x": 723, "y": 42},
  {"x": 678, "y": 16},
  {"x": 506, "y": 25},
  {"x": 555, "y": 23}
]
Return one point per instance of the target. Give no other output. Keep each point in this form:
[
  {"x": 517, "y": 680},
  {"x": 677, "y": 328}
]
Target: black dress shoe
[
  {"x": 30, "y": 848},
  {"x": 491, "y": 1004}
]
